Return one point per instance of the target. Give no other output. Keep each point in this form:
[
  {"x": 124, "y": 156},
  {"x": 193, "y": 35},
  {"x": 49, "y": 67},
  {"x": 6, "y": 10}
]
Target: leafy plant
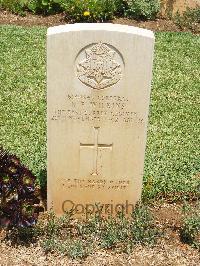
[
  {"x": 110, "y": 235},
  {"x": 190, "y": 230},
  {"x": 115, "y": 231},
  {"x": 76, "y": 249},
  {"x": 76, "y": 10},
  {"x": 142, "y": 226},
  {"x": 55, "y": 224},
  {"x": 78, "y": 239},
  {"x": 19, "y": 202},
  {"x": 16, "y": 6},
  {"x": 190, "y": 19},
  {"x": 121, "y": 7},
  {"x": 90, "y": 10},
  {"x": 45, "y": 6},
  {"x": 35, "y": 6},
  {"x": 124, "y": 232},
  {"x": 142, "y": 9},
  {"x": 23, "y": 235},
  {"x": 50, "y": 244},
  {"x": 91, "y": 227}
]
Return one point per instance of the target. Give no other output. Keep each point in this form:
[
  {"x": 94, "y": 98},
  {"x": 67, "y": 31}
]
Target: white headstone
[{"x": 98, "y": 79}]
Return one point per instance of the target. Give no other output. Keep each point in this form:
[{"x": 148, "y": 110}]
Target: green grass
[
  {"x": 23, "y": 94},
  {"x": 172, "y": 157}
]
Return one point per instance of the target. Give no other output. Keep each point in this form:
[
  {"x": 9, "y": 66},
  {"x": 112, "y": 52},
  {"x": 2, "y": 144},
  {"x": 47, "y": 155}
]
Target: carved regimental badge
[{"x": 99, "y": 69}]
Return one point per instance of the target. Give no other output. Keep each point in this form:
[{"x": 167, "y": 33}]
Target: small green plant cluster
[
  {"x": 142, "y": 227},
  {"x": 59, "y": 236},
  {"x": 115, "y": 232},
  {"x": 35, "y": 6},
  {"x": 190, "y": 230},
  {"x": 16, "y": 6},
  {"x": 62, "y": 235},
  {"x": 143, "y": 9},
  {"x": 19, "y": 202},
  {"x": 190, "y": 19},
  {"x": 124, "y": 233},
  {"x": 119, "y": 233},
  {"x": 73, "y": 248},
  {"x": 44, "y": 6},
  {"x": 87, "y": 10}
]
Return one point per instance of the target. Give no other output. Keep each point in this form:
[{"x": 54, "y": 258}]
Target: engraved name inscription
[
  {"x": 114, "y": 109},
  {"x": 99, "y": 69}
]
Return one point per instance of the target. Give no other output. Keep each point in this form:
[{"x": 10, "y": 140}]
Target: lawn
[{"x": 172, "y": 156}]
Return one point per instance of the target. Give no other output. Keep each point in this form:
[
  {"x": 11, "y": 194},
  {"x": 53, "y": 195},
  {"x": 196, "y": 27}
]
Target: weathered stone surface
[{"x": 99, "y": 78}]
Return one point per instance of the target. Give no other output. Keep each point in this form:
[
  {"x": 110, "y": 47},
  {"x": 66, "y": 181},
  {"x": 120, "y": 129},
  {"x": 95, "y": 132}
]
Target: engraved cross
[{"x": 96, "y": 146}]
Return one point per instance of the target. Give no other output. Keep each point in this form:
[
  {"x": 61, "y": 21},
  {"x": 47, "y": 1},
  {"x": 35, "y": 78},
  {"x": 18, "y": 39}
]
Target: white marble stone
[{"x": 99, "y": 80}]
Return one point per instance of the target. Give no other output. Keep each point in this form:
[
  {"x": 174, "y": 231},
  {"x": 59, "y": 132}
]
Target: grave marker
[{"x": 98, "y": 79}]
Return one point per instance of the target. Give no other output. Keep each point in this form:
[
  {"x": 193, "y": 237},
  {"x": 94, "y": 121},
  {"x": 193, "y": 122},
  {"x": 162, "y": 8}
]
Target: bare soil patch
[
  {"x": 156, "y": 25},
  {"x": 163, "y": 254},
  {"x": 29, "y": 20},
  {"x": 59, "y": 19}
]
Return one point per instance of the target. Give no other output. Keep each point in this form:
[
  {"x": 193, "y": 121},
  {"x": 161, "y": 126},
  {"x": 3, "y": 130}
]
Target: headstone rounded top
[{"x": 99, "y": 27}]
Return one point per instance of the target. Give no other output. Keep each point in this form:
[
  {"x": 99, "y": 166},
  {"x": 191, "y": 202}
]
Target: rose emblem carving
[{"x": 99, "y": 69}]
